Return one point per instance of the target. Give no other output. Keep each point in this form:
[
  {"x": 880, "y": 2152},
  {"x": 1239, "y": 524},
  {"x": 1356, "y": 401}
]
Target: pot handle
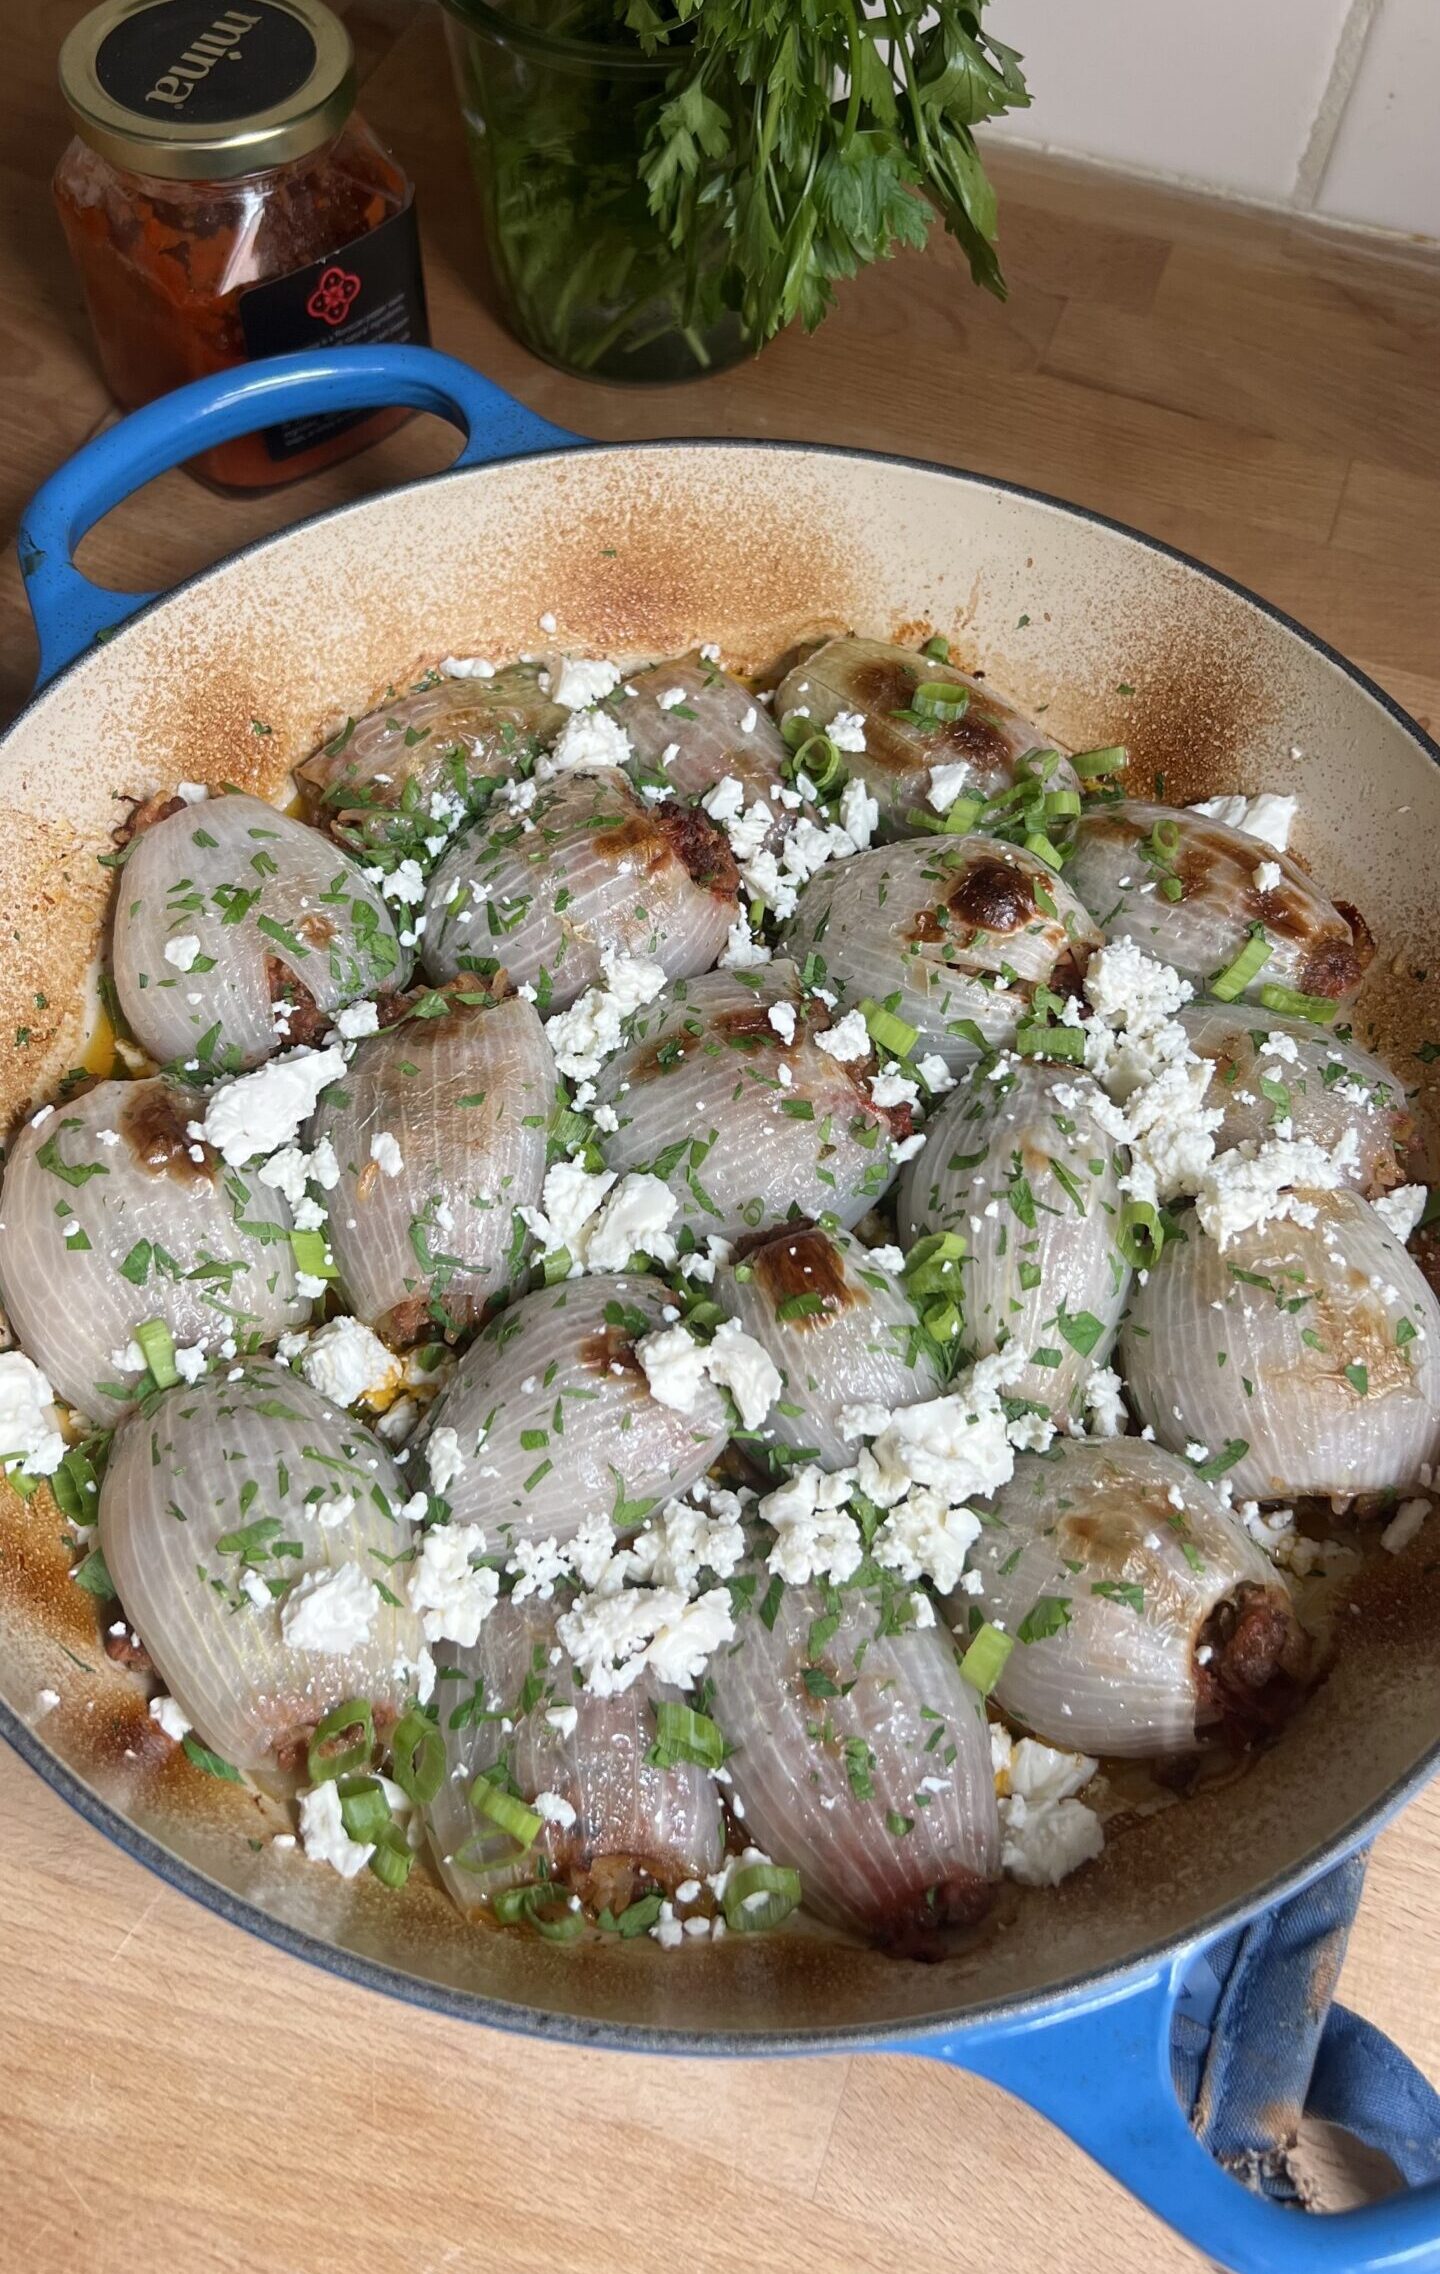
[
  {"x": 70, "y": 612},
  {"x": 1101, "y": 2072}
]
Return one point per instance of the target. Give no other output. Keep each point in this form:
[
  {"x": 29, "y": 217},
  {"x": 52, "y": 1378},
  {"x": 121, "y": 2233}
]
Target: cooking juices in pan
[{"x": 707, "y": 1307}]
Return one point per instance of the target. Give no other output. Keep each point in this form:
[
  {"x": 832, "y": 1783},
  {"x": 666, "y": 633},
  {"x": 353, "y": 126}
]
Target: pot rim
[{"x": 579, "y": 2029}]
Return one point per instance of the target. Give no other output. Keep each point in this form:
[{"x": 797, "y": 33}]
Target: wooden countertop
[{"x": 179, "y": 2095}]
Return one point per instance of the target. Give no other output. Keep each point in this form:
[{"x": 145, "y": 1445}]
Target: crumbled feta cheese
[
  {"x": 453, "y": 1594},
  {"x": 182, "y": 951},
  {"x": 612, "y": 1638},
  {"x": 322, "y": 1830},
  {"x": 586, "y": 1034},
  {"x": 190, "y": 1361},
  {"x": 674, "y": 1548},
  {"x": 583, "y": 682},
  {"x": 1103, "y": 1403},
  {"x": 891, "y": 1087},
  {"x": 956, "y": 1445},
  {"x": 782, "y": 1018},
  {"x": 672, "y": 699},
  {"x": 848, "y": 1039},
  {"x": 572, "y": 1194},
  {"x": 331, "y": 1611},
  {"x": 166, "y": 1715},
  {"x": 1404, "y": 1525},
  {"x": 345, "y": 1361},
  {"x": 634, "y": 1219},
  {"x": 1254, "y": 1184},
  {"x": 814, "y": 1538},
  {"x": 445, "y": 1459},
  {"x": 859, "y": 813},
  {"x": 589, "y": 742},
  {"x": 674, "y": 1367},
  {"x": 356, "y": 1021},
  {"x": 847, "y": 730},
  {"x": 564, "y": 1719},
  {"x": 258, "y": 1113},
  {"x": 1268, "y": 816},
  {"x": 537, "y": 1564},
  {"x": 946, "y": 784},
  {"x": 386, "y": 1154},
  {"x": 1269, "y": 876},
  {"x": 551, "y": 1808},
  {"x": 30, "y": 1438},
  {"x": 736, "y": 1361},
  {"x": 1041, "y": 1844},
  {"x": 192, "y": 793},
  {"x": 742, "y": 951},
  {"x": 935, "y": 1074},
  {"x": 467, "y": 667},
  {"x": 1401, "y": 1210},
  {"x": 926, "y": 1537}
]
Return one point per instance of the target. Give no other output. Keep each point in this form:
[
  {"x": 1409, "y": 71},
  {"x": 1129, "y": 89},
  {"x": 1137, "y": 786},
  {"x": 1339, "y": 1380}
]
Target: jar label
[
  {"x": 204, "y": 62},
  {"x": 370, "y": 290}
]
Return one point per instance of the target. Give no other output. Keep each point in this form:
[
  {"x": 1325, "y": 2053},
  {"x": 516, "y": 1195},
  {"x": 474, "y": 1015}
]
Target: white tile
[
  {"x": 1222, "y": 93},
  {"x": 1385, "y": 161}
]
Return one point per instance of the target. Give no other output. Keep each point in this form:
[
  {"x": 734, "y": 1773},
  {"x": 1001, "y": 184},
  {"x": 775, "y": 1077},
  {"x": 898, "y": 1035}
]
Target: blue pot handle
[
  {"x": 70, "y": 611},
  {"x": 1101, "y": 2072}
]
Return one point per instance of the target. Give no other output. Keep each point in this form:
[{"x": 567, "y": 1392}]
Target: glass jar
[
  {"x": 556, "y": 117},
  {"x": 220, "y": 202}
]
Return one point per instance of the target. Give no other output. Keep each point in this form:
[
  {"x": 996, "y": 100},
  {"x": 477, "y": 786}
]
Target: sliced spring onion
[
  {"x": 1236, "y": 977},
  {"x": 1140, "y": 1235},
  {"x": 392, "y": 1861},
  {"x": 312, "y": 1254},
  {"x": 1288, "y": 1002},
  {"x": 556, "y": 1265},
  {"x": 957, "y": 822},
  {"x": 343, "y": 1742},
  {"x": 364, "y": 1810},
  {"x": 504, "y": 1809},
  {"x": 683, "y": 1735},
  {"x": 941, "y": 700},
  {"x": 1061, "y": 804},
  {"x": 759, "y": 1895},
  {"x": 534, "y": 1905},
  {"x": 1091, "y": 764},
  {"x": 821, "y": 760},
  {"x": 1037, "y": 1039},
  {"x": 937, "y": 647},
  {"x": 984, "y": 1661},
  {"x": 1039, "y": 844},
  {"x": 886, "y": 1031},
  {"x": 417, "y": 1756},
  {"x": 158, "y": 1345},
  {"x": 795, "y": 729},
  {"x": 1165, "y": 840},
  {"x": 942, "y": 1321}
]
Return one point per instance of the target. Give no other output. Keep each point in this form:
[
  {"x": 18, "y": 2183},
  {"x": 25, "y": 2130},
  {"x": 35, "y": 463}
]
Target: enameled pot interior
[{"x": 639, "y": 552}]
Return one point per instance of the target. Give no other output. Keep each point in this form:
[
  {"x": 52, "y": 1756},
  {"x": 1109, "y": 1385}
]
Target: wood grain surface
[{"x": 177, "y": 2095}]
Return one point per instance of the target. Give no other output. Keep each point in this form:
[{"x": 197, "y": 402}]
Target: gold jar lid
[{"x": 198, "y": 90}]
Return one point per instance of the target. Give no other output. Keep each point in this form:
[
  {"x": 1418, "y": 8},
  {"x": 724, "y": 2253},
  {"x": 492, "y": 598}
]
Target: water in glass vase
[{"x": 556, "y": 116}]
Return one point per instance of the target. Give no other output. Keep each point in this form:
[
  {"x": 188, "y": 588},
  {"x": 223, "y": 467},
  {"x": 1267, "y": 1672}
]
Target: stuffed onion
[
  {"x": 690, "y": 725},
  {"x": 953, "y": 934},
  {"x": 841, "y": 1329},
  {"x": 590, "y": 866},
  {"x": 238, "y": 930},
  {"x": 116, "y": 1217},
  {"x": 446, "y": 739},
  {"x": 1303, "y": 1355},
  {"x": 599, "y": 1822},
  {"x": 253, "y": 1533},
  {"x": 1142, "y": 1615},
  {"x": 1285, "y": 1076},
  {"x": 777, "y": 1127}
]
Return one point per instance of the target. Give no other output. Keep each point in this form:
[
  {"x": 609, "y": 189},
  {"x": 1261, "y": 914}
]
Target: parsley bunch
[{"x": 818, "y": 137}]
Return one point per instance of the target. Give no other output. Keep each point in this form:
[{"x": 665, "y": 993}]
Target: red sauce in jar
[{"x": 192, "y": 256}]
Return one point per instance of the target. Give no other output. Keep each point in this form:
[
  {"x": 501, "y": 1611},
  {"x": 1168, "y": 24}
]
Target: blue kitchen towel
[{"x": 1258, "y": 2039}]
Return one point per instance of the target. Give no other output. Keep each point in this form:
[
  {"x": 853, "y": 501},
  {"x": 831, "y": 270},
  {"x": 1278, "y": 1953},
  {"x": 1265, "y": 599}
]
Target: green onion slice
[
  {"x": 504, "y": 1809},
  {"x": 937, "y": 647},
  {"x": 1141, "y": 1234},
  {"x": 683, "y": 1735},
  {"x": 393, "y": 1860},
  {"x": 1035, "y": 1038},
  {"x": 1091, "y": 764},
  {"x": 311, "y": 1254},
  {"x": 417, "y": 1757},
  {"x": 984, "y": 1661},
  {"x": 941, "y": 700},
  {"x": 760, "y": 1895},
  {"x": 158, "y": 1345},
  {"x": 1288, "y": 1002},
  {"x": 343, "y": 1742},
  {"x": 1236, "y": 977},
  {"x": 1061, "y": 804},
  {"x": 364, "y": 1810},
  {"x": 1039, "y": 844},
  {"x": 888, "y": 1032}
]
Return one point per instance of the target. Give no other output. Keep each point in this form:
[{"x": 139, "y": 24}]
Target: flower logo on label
[{"x": 334, "y": 296}]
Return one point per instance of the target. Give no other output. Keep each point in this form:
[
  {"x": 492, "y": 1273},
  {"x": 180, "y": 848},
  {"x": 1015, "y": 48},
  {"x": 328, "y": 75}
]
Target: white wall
[{"x": 1331, "y": 106}]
